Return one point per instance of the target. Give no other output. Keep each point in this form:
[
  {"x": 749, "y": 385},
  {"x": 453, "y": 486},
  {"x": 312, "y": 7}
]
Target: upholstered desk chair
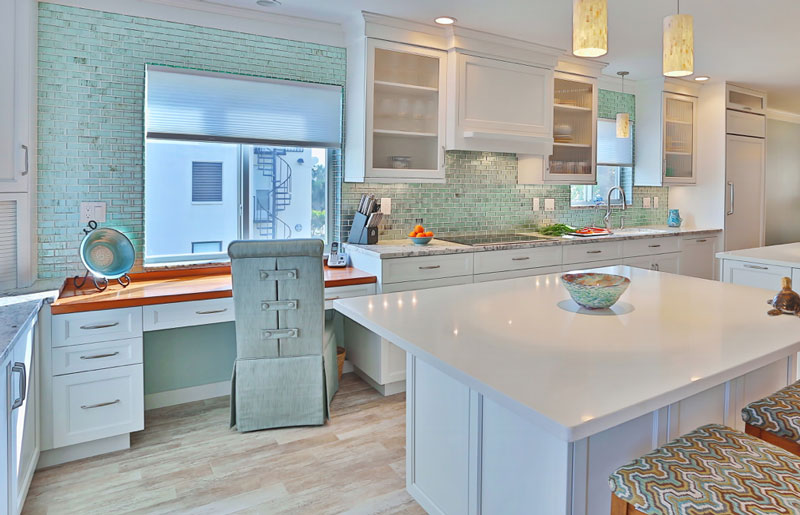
[{"x": 285, "y": 372}]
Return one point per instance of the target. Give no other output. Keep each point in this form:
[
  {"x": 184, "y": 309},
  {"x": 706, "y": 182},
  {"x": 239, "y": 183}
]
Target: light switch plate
[
  {"x": 549, "y": 204},
  {"x": 93, "y": 211},
  {"x": 646, "y": 202},
  {"x": 655, "y": 202},
  {"x": 386, "y": 206},
  {"x": 536, "y": 204}
]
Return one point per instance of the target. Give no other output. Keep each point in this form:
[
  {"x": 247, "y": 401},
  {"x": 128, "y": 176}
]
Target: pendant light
[
  {"x": 589, "y": 28},
  {"x": 678, "y": 60},
  {"x": 623, "y": 119}
]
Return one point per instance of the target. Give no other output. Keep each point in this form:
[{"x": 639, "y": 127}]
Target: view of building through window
[{"x": 200, "y": 196}]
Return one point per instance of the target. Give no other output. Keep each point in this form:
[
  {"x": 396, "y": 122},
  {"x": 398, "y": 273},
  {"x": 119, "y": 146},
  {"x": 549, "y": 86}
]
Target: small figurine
[{"x": 786, "y": 301}]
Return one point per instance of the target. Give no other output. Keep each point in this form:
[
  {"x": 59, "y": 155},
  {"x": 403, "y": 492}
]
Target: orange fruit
[
  {"x": 428, "y": 234},
  {"x": 412, "y": 234},
  {"x": 419, "y": 228}
]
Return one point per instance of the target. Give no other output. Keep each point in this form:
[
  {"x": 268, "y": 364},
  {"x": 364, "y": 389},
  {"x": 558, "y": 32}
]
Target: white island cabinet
[
  {"x": 519, "y": 403},
  {"x": 762, "y": 267}
]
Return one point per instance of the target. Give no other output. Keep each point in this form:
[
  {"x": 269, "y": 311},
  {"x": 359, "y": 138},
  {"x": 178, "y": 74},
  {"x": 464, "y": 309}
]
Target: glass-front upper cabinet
[
  {"x": 405, "y": 112},
  {"x": 679, "y": 139},
  {"x": 743, "y": 99},
  {"x": 574, "y": 130}
]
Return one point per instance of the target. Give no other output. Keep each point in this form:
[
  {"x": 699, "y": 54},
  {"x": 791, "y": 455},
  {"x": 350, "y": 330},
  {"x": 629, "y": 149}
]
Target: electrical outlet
[
  {"x": 646, "y": 202},
  {"x": 386, "y": 206},
  {"x": 536, "y": 204},
  {"x": 93, "y": 211},
  {"x": 549, "y": 204},
  {"x": 655, "y": 202}
]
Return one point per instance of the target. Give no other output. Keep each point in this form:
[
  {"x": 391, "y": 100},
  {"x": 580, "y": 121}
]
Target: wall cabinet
[
  {"x": 743, "y": 99},
  {"x": 398, "y": 125},
  {"x": 680, "y": 139},
  {"x": 500, "y": 106}
]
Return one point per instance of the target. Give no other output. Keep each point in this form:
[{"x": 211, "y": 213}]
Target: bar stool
[
  {"x": 711, "y": 470},
  {"x": 776, "y": 418}
]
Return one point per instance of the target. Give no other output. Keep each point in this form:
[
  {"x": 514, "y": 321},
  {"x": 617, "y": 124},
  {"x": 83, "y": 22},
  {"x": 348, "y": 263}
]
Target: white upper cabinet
[
  {"x": 17, "y": 95},
  {"x": 666, "y": 133},
  {"x": 748, "y": 100},
  {"x": 499, "y": 106}
]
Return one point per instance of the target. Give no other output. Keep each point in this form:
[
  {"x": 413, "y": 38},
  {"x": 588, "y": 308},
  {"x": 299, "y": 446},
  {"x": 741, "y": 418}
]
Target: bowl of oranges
[{"x": 420, "y": 236}]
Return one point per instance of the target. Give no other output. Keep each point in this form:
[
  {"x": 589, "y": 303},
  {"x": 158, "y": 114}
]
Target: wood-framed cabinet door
[
  {"x": 679, "y": 132},
  {"x": 405, "y": 113}
]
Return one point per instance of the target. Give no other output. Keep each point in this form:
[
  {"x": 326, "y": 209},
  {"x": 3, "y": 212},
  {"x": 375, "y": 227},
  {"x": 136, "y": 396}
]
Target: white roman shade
[
  {"x": 192, "y": 105},
  {"x": 612, "y": 150}
]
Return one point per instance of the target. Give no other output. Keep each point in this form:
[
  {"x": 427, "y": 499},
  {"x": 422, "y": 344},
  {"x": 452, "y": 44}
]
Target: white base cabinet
[
  {"x": 757, "y": 275},
  {"x": 697, "y": 257}
]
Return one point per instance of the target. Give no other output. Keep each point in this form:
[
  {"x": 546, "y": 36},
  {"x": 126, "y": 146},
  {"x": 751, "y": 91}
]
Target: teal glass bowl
[
  {"x": 422, "y": 240},
  {"x": 107, "y": 253},
  {"x": 595, "y": 291}
]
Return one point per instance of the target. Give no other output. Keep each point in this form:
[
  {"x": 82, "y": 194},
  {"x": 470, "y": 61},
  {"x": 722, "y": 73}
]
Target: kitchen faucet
[{"x": 607, "y": 218}]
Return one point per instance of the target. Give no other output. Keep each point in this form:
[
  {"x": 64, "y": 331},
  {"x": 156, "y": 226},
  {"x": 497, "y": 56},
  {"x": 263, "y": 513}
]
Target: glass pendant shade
[
  {"x": 678, "y": 47},
  {"x": 589, "y": 28},
  {"x": 623, "y": 125}
]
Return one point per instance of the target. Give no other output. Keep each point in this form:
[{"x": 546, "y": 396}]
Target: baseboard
[
  {"x": 79, "y": 451},
  {"x": 384, "y": 389},
  {"x": 182, "y": 395}
]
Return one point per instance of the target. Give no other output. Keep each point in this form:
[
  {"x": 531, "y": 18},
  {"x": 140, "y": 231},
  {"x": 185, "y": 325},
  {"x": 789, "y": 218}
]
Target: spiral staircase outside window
[{"x": 268, "y": 203}]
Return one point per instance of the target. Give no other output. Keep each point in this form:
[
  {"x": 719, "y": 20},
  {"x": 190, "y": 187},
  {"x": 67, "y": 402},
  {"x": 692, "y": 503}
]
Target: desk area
[{"x": 92, "y": 362}]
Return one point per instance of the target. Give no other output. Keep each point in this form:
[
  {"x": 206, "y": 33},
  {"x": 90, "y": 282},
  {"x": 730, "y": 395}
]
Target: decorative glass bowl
[
  {"x": 595, "y": 291},
  {"x": 421, "y": 240}
]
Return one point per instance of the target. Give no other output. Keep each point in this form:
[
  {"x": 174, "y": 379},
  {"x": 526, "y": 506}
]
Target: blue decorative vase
[{"x": 674, "y": 219}]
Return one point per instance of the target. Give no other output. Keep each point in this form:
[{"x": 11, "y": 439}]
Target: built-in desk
[{"x": 92, "y": 372}]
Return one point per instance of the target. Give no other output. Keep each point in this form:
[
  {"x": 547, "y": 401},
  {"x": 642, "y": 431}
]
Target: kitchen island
[
  {"x": 518, "y": 402},
  {"x": 762, "y": 267}
]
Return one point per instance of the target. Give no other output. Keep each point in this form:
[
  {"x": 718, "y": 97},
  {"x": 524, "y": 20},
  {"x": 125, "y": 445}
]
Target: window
[
  {"x": 229, "y": 157},
  {"x": 614, "y": 168}
]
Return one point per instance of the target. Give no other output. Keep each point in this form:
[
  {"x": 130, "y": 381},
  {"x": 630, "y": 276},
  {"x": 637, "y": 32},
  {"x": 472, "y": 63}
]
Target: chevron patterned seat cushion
[
  {"x": 779, "y": 413},
  {"x": 712, "y": 470}
]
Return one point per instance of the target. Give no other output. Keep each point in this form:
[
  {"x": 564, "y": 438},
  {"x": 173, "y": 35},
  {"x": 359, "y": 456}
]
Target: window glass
[{"x": 614, "y": 168}]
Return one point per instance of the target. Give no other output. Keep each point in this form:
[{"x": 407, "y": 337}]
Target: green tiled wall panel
[{"x": 91, "y": 91}]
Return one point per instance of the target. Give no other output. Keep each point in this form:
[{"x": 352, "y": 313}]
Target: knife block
[{"x": 360, "y": 233}]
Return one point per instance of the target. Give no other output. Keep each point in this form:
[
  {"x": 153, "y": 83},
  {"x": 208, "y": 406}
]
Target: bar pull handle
[
  {"x": 20, "y": 369},
  {"x": 594, "y": 251},
  {"x": 99, "y": 356},
  {"x": 733, "y": 198},
  {"x": 756, "y": 267},
  {"x": 100, "y": 405},
  {"x": 99, "y": 326},
  {"x": 27, "y": 161},
  {"x": 521, "y": 258},
  {"x": 654, "y": 246},
  {"x": 212, "y": 311},
  {"x": 701, "y": 241},
  {"x": 444, "y": 155},
  {"x": 429, "y": 267},
  {"x": 747, "y": 108}
]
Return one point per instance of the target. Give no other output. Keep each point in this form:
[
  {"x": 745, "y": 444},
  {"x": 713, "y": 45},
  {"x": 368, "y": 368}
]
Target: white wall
[{"x": 783, "y": 182}]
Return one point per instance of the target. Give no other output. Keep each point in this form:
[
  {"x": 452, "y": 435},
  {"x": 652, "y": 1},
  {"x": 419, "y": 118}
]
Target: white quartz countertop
[
  {"x": 781, "y": 255},
  {"x": 389, "y": 249},
  {"x": 15, "y": 313},
  {"x": 577, "y": 374}
]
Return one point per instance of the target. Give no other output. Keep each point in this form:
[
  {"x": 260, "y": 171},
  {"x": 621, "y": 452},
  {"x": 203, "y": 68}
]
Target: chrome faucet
[{"x": 607, "y": 218}]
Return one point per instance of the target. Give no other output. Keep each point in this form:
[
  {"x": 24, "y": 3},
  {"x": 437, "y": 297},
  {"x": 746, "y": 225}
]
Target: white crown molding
[
  {"x": 208, "y": 14},
  {"x": 783, "y": 116}
]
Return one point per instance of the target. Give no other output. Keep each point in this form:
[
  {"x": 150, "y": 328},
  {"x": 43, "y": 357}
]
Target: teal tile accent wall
[
  {"x": 482, "y": 194},
  {"x": 91, "y": 90}
]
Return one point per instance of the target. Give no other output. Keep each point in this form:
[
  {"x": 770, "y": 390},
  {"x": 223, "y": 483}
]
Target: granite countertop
[
  {"x": 780, "y": 255},
  {"x": 15, "y": 313},
  {"x": 404, "y": 248}
]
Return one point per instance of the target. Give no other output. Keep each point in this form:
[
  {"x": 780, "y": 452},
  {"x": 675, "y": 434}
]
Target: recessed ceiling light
[
  {"x": 268, "y": 3},
  {"x": 702, "y": 78},
  {"x": 445, "y": 20}
]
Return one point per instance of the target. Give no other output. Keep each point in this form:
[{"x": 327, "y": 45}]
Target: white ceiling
[{"x": 754, "y": 43}]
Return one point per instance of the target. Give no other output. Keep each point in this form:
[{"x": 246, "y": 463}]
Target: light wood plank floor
[{"x": 188, "y": 461}]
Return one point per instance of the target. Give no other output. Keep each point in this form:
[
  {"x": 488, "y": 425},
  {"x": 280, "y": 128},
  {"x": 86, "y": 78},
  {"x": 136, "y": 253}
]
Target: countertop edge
[{"x": 33, "y": 313}]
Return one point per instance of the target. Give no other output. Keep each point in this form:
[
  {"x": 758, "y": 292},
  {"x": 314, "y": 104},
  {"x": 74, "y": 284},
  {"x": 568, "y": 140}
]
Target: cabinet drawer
[
  {"x": 516, "y": 259},
  {"x": 426, "y": 284},
  {"x": 746, "y": 124},
  {"x": 650, "y": 246},
  {"x": 757, "y": 275},
  {"x": 577, "y": 267},
  {"x": 183, "y": 314},
  {"x": 343, "y": 292},
  {"x": 96, "y": 356},
  {"x": 96, "y": 326},
  {"x": 515, "y": 274},
  {"x": 426, "y": 267},
  {"x": 586, "y": 252},
  {"x": 98, "y": 404}
]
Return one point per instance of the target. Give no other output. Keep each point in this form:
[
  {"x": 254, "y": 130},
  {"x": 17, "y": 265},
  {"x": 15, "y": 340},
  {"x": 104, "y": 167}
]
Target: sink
[{"x": 640, "y": 230}]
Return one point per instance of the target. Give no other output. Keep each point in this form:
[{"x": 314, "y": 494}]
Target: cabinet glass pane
[
  {"x": 571, "y": 160},
  {"x": 404, "y": 68},
  {"x": 678, "y": 143},
  {"x": 572, "y": 128},
  {"x": 745, "y": 100}
]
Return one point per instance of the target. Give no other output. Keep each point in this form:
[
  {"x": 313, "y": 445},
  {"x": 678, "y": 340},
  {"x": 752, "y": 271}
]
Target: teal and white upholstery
[
  {"x": 712, "y": 470},
  {"x": 285, "y": 372},
  {"x": 778, "y": 413}
]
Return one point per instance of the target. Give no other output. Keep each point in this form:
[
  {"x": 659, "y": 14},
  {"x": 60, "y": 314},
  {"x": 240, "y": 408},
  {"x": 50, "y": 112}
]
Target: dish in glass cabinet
[{"x": 595, "y": 290}]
